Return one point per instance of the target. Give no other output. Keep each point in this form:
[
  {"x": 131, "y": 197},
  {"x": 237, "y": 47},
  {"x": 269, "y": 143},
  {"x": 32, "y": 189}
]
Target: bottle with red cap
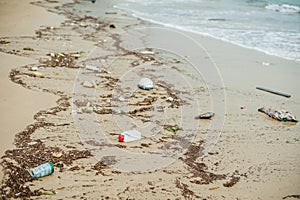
[{"x": 129, "y": 136}]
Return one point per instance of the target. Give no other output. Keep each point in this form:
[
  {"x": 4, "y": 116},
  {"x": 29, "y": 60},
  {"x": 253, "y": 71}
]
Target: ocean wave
[
  {"x": 258, "y": 33},
  {"x": 283, "y": 8}
]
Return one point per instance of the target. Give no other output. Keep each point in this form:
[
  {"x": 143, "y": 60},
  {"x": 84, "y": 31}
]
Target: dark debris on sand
[
  {"x": 105, "y": 163},
  {"x": 199, "y": 170},
  {"x": 29, "y": 154},
  {"x": 17, "y": 162},
  {"x": 61, "y": 60},
  {"x": 185, "y": 191}
]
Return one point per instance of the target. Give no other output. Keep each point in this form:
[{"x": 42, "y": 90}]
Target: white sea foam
[{"x": 284, "y": 8}]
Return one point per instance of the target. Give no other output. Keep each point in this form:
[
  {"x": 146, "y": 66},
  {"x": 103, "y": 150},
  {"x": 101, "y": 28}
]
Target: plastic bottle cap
[
  {"x": 52, "y": 167},
  {"x": 121, "y": 138}
]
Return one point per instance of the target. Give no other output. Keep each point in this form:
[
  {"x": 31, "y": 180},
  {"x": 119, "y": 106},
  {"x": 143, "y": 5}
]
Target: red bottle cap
[{"x": 121, "y": 138}]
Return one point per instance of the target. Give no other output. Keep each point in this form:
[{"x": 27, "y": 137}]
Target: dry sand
[{"x": 250, "y": 156}]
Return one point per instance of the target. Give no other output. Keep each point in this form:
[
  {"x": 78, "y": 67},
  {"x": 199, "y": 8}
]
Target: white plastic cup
[{"x": 42, "y": 170}]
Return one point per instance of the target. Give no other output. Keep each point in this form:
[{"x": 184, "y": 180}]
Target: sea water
[{"x": 271, "y": 26}]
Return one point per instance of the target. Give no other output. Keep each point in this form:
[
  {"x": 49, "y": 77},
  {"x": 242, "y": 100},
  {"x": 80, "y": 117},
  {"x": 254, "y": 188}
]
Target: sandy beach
[{"x": 69, "y": 75}]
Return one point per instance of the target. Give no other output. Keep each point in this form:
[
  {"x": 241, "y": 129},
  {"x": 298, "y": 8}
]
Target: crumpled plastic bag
[{"x": 280, "y": 115}]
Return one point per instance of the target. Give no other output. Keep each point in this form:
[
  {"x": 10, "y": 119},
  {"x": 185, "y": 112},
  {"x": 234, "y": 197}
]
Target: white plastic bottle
[{"x": 128, "y": 136}]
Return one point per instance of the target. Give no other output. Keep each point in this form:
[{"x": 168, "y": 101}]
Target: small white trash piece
[
  {"x": 92, "y": 68},
  {"x": 147, "y": 52},
  {"x": 146, "y": 84},
  {"x": 129, "y": 136}
]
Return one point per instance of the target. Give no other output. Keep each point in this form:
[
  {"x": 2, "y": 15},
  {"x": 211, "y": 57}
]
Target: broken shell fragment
[{"x": 57, "y": 154}]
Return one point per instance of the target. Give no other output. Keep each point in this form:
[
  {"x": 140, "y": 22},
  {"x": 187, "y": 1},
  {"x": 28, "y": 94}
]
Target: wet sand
[{"x": 240, "y": 153}]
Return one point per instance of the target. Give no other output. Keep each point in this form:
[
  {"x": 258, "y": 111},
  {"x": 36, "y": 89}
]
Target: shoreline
[
  {"x": 252, "y": 154},
  {"x": 181, "y": 29}
]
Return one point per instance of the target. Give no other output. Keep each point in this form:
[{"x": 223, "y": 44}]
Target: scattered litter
[
  {"x": 42, "y": 170},
  {"x": 243, "y": 107},
  {"x": 274, "y": 92},
  {"x": 83, "y": 25},
  {"x": 32, "y": 143},
  {"x": 38, "y": 74},
  {"x": 93, "y": 68},
  {"x": 121, "y": 98},
  {"x": 110, "y": 13},
  {"x": 112, "y": 26},
  {"x": 131, "y": 135},
  {"x": 85, "y": 110},
  {"x": 146, "y": 84},
  {"x": 62, "y": 60},
  {"x": 148, "y": 52},
  {"x": 117, "y": 111},
  {"x": 207, "y": 115},
  {"x": 28, "y": 49},
  {"x": 135, "y": 63},
  {"x": 172, "y": 128},
  {"x": 76, "y": 55},
  {"x": 214, "y": 188},
  {"x": 170, "y": 99},
  {"x": 34, "y": 68},
  {"x": 280, "y": 115},
  {"x": 265, "y": 64},
  {"x": 88, "y": 84}
]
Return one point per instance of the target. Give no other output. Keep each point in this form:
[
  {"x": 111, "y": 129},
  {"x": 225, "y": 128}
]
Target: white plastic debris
[
  {"x": 129, "y": 136},
  {"x": 146, "y": 84},
  {"x": 116, "y": 111},
  {"x": 170, "y": 99},
  {"x": 93, "y": 68},
  {"x": 147, "y": 52},
  {"x": 32, "y": 143},
  {"x": 38, "y": 74},
  {"x": 34, "y": 68},
  {"x": 121, "y": 98},
  {"x": 88, "y": 84},
  {"x": 265, "y": 64}
]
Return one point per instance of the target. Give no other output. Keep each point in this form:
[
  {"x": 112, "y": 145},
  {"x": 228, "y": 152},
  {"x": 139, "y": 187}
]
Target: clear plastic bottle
[{"x": 131, "y": 135}]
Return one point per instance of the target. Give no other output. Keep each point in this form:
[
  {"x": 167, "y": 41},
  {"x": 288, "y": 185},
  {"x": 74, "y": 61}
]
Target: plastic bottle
[
  {"x": 42, "y": 170},
  {"x": 128, "y": 136}
]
